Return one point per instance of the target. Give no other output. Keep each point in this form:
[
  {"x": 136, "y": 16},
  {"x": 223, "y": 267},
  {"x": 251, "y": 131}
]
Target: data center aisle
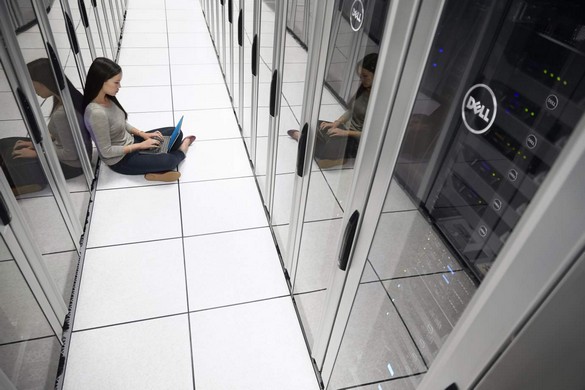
[{"x": 182, "y": 287}]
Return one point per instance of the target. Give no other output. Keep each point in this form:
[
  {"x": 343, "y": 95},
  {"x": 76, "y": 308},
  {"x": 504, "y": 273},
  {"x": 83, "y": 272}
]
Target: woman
[
  {"x": 339, "y": 140},
  {"x": 118, "y": 142},
  {"x": 18, "y": 155}
]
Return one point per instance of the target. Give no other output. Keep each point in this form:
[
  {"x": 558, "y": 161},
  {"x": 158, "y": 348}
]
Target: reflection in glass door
[
  {"x": 427, "y": 253},
  {"x": 337, "y": 140},
  {"x": 29, "y": 346}
]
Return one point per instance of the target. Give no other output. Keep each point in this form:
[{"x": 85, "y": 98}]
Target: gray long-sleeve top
[
  {"x": 110, "y": 130},
  {"x": 62, "y": 138}
]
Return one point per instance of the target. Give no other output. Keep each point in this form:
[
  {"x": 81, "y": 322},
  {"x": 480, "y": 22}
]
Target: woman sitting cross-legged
[{"x": 118, "y": 142}]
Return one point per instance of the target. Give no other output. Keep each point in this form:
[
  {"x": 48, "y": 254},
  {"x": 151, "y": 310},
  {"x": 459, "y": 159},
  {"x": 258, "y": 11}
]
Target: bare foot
[
  {"x": 294, "y": 134},
  {"x": 187, "y": 141}
]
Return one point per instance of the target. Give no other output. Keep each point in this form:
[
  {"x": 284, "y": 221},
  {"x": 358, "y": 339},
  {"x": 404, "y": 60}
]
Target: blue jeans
[{"x": 139, "y": 164}]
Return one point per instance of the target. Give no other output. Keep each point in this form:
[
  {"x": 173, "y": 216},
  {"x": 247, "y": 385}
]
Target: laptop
[{"x": 168, "y": 141}]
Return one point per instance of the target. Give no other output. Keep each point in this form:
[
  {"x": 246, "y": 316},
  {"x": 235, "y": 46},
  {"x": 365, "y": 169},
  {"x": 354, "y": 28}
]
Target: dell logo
[
  {"x": 356, "y": 16},
  {"x": 479, "y": 108}
]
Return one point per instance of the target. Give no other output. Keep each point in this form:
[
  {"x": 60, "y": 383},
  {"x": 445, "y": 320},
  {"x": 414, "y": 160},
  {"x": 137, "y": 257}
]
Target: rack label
[{"x": 479, "y": 108}]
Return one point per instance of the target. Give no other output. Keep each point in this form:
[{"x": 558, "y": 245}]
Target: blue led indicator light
[
  {"x": 441, "y": 50},
  {"x": 434, "y": 64}
]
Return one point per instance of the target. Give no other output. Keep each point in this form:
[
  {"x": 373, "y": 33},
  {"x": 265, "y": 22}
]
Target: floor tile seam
[
  {"x": 189, "y": 236},
  {"x": 190, "y": 181},
  {"x": 189, "y": 312},
  {"x": 216, "y": 179},
  {"x": 161, "y": 184},
  {"x": 117, "y": 244}
]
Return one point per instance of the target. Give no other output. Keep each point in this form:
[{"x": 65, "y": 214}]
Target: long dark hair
[
  {"x": 40, "y": 70},
  {"x": 368, "y": 63},
  {"x": 101, "y": 70}
]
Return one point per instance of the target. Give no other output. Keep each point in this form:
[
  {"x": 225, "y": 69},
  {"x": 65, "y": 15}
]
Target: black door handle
[
  {"x": 273, "y": 93},
  {"x": 71, "y": 34},
  {"x": 240, "y": 30},
  {"x": 230, "y": 11},
  {"x": 301, "y": 150},
  {"x": 5, "y": 215},
  {"x": 35, "y": 132},
  {"x": 255, "y": 55},
  {"x": 83, "y": 12},
  {"x": 348, "y": 237}
]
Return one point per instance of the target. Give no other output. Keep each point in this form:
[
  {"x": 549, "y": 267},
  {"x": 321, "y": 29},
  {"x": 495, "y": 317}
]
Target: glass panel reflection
[
  {"x": 337, "y": 141},
  {"x": 29, "y": 350}
]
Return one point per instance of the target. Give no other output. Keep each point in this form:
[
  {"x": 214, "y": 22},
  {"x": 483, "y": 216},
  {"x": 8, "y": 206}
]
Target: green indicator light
[
  {"x": 552, "y": 75},
  {"x": 565, "y": 82},
  {"x": 531, "y": 114},
  {"x": 526, "y": 110},
  {"x": 493, "y": 174},
  {"x": 524, "y": 157},
  {"x": 519, "y": 153},
  {"x": 558, "y": 79},
  {"x": 545, "y": 71}
]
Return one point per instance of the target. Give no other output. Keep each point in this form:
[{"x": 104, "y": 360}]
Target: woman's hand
[
  {"x": 157, "y": 134},
  {"x": 24, "y": 153},
  {"x": 20, "y": 144},
  {"x": 327, "y": 125},
  {"x": 337, "y": 132},
  {"x": 149, "y": 143}
]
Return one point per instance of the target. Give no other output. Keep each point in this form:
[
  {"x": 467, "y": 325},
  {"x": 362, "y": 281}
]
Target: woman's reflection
[
  {"x": 338, "y": 141},
  {"x": 17, "y": 154}
]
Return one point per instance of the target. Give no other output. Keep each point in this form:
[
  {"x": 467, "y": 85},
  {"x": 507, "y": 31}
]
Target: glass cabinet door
[
  {"x": 29, "y": 347},
  {"x": 338, "y": 134},
  {"x": 463, "y": 156}
]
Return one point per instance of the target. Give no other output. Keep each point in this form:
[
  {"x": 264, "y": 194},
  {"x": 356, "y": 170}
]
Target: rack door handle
[
  {"x": 230, "y": 11},
  {"x": 84, "y": 17},
  {"x": 348, "y": 238},
  {"x": 5, "y": 215},
  {"x": 255, "y": 55},
  {"x": 273, "y": 93},
  {"x": 30, "y": 118},
  {"x": 240, "y": 29},
  {"x": 71, "y": 34},
  {"x": 301, "y": 150}
]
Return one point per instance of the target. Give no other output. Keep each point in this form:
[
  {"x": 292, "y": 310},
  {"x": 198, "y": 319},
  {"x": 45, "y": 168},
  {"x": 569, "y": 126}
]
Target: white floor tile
[
  {"x": 145, "y": 99},
  {"x": 143, "y": 56},
  {"x": 229, "y": 268},
  {"x": 210, "y": 124},
  {"x": 135, "y": 215},
  {"x": 152, "y": 354},
  {"x": 189, "y": 40},
  {"x": 146, "y": 75},
  {"x": 196, "y": 74},
  {"x": 199, "y": 55},
  {"x": 145, "y": 26},
  {"x": 131, "y": 282},
  {"x": 221, "y": 159},
  {"x": 253, "y": 346},
  {"x": 220, "y": 206},
  {"x": 109, "y": 179},
  {"x": 195, "y": 97},
  {"x": 144, "y": 40}
]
